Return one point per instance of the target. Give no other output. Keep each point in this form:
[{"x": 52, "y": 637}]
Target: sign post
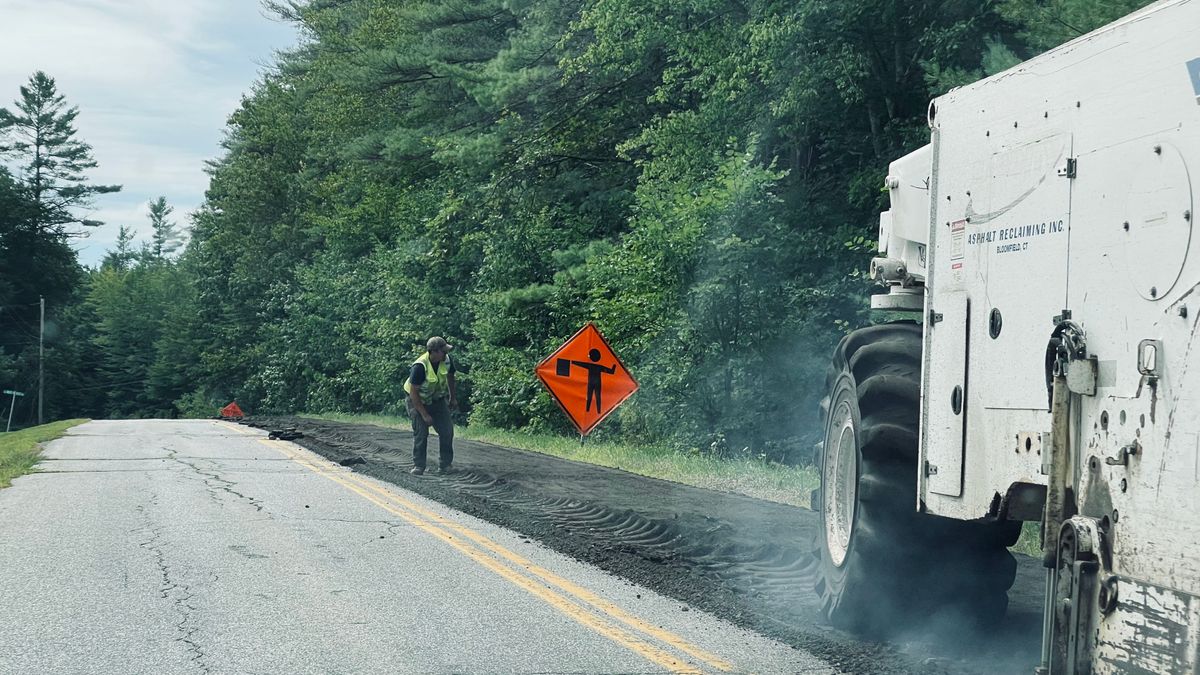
[
  {"x": 11, "y": 405},
  {"x": 586, "y": 379}
]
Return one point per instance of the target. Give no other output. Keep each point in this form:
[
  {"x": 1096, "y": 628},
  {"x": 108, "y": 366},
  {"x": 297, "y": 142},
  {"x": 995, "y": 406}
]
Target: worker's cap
[{"x": 437, "y": 344}]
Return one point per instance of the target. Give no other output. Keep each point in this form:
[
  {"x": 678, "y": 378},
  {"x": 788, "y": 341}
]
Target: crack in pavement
[
  {"x": 394, "y": 528},
  {"x": 211, "y": 477},
  {"x": 108, "y": 471},
  {"x": 48, "y": 460},
  {"x": 178, "y": 593}
]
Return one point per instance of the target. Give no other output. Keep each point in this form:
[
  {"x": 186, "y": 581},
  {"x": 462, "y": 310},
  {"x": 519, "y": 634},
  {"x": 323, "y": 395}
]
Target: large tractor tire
[{"x": 883, "y": 566}]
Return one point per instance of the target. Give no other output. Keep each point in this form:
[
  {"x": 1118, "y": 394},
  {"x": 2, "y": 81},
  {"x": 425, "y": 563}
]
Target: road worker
[{"x": 431, "y": 395}]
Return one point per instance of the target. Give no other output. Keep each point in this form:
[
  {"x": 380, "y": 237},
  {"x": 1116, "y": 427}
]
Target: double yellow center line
[{"x": 571, "y": 599}]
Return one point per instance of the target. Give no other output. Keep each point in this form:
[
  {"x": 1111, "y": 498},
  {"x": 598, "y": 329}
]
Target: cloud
[
  {"x": 154, "y": 81},
  {"x": 81, "y": 44}
]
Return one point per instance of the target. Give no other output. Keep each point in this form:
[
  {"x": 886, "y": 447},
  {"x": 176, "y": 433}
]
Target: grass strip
[
  {"x": 19, "y": 450},
  {"x": 753, "y": 478},
  {"x": 1030, "y": 542}
]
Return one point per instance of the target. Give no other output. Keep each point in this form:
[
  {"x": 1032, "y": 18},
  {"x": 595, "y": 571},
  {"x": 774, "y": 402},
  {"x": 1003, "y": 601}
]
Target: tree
[
  {"x": 120, "y": 257},
  {"x": 700, "y": 178},
  {"x": 167, "y": 237},
  {"x": 1048, "y": 23},
  {"x": 41, "y": 133}
]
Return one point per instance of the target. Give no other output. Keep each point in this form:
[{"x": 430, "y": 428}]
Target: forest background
[{"x": 700, "y": 178}]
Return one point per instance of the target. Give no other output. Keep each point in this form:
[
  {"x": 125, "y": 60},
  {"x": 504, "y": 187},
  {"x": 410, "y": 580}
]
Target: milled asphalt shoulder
[{"x": 197, "y": 546}]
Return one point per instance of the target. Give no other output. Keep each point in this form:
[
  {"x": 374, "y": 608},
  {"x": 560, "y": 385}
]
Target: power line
[
  {"x": 31, "y": 304},
  {"x": 28, "y": 326},
  {"x": 102, "y": 385},
  {"x": 32, "y": 335}
]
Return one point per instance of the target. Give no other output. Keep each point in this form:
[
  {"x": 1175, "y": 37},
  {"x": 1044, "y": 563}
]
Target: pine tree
[
  {"x": 167, "y": 237},
  {"x": 41, "y": 134},
  {"x": 120, "y": 257}
]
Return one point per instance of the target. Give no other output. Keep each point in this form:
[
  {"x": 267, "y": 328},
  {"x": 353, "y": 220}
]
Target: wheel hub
[{"x": 841, "y": 483}]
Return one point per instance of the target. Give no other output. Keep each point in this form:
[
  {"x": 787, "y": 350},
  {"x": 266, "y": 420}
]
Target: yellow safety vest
[{"x": 436, "y": 380}]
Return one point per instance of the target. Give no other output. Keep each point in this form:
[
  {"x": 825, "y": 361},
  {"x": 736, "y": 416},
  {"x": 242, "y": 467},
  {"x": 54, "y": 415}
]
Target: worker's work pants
[{"x": 439, "y": 410}]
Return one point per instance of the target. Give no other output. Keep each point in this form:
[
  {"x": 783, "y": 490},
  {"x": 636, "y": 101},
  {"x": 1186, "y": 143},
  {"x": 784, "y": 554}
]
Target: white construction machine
[{"x": 1046, "y": 238}]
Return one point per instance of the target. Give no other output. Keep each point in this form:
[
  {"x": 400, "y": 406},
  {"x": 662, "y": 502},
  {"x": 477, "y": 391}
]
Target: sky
[{"x": 154, "y": 81}]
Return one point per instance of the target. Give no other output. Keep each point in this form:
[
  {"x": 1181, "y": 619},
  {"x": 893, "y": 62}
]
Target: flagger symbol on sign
[
  {"x": 563, "y": 369},
  {"x": 586, "y": 378}
]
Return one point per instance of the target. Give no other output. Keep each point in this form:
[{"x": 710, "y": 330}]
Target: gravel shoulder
[{"x": 746, "y": 560}]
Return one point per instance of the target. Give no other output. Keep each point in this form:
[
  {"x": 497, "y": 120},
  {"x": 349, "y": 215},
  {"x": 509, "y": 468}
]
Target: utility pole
[{"x": 41, "y": 355}]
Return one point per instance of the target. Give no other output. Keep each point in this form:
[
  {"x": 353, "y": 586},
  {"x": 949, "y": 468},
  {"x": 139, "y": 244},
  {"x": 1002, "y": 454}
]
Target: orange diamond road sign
[{"x": 586, "y": 378}]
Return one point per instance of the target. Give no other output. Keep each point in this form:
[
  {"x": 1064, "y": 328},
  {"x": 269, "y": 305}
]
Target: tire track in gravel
[{"x": 746, "y": 560}]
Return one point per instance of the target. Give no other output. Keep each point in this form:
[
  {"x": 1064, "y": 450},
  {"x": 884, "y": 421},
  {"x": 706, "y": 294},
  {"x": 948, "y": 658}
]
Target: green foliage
[
  {"x": 37, "y": 261},
  {"x": 41, "y": 136},
  {"x": 198, "y": 405},
  {"x": 167, "y": 237},
  {"x": 135, "y": 357},
  {"x": 121, "y": 257},
  {"x": 700, "y": 178},
  {"x": 1049, "y": 23}
]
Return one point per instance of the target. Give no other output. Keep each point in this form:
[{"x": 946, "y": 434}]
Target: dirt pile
[{"x": 746, "y": 560}]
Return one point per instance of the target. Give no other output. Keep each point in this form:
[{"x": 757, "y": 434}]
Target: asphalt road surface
[
  {"x": 202, "y": 546},
  {"x": 745, "y": 560}
]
